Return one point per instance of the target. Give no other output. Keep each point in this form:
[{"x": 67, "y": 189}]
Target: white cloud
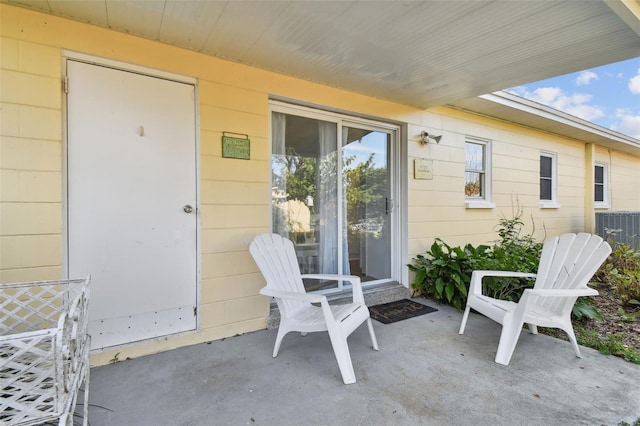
[
  {"x": 547, "y": 95},
  {"x": 586, "y": 112},
  {"x": 585, "y": 78},
  {"x": 576, "y": 104},
  {"x": 634, "y": 84},
  {"x": 627, "y": 123}
]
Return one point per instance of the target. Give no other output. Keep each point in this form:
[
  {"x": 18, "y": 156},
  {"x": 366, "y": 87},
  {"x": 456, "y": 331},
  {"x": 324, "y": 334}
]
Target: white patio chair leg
[
  {"x": 465, "y": 317},
  {"x": 508, "y": 340},
  {"x": 281, "y": 333},
  {"x": 572, "y": 339},
  {"x": 374, "y": 341},
  {"x": 341, "y": 351},
  {"x": 533, "y": 329}
]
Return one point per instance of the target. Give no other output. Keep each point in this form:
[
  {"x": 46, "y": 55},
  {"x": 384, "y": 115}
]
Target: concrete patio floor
[{"x": 424, "y": 374}]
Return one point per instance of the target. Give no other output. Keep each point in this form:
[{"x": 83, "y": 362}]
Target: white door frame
[{"x": 127, "y": 67}]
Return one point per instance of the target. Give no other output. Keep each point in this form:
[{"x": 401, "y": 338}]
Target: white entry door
[{"x": 132, "y": 198}]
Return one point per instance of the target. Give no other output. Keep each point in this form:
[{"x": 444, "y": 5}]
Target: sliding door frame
[{"x": 396, "y": 167}]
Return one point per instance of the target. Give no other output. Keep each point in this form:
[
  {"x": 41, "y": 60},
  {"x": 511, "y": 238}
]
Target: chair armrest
[
  {"x": 504, "y": 274},
  {"x": 290, "y": 295},
  {"x": 356, "y": 285},
  {"x": 577, "y": 292},
  {"x": 476, "y": 278}
]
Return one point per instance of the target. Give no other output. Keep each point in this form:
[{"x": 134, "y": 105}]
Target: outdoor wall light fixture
[{"x": 426, "y": 137}]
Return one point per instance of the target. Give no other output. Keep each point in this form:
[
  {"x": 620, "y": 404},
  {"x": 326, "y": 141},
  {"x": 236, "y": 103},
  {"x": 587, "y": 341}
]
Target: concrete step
[{"x": 388, "y": 292}]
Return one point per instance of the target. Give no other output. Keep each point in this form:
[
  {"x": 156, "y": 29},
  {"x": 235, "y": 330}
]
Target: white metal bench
[{"x": 44, "y": 351}]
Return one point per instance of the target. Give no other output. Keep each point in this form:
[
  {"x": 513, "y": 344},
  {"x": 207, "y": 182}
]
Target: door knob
[{"x": 187, "y": 208}]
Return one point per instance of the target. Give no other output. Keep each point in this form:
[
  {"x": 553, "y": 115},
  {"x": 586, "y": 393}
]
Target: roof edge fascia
[
  {"x": 526, "y": 105},
  {"x": 628, "y": 11}
]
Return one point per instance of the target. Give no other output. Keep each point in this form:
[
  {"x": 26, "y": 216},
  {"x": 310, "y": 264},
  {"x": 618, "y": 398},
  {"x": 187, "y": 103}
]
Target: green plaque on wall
[{"x": 236, "y": 147}]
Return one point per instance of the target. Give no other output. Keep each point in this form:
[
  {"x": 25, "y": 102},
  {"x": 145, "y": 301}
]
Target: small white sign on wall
[{"x": 422, "y": 169}]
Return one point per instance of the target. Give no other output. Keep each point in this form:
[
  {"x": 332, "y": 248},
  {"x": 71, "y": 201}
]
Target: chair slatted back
[
  {"x": 276, "y": 259},
  {"x": 568, "y": 262}
]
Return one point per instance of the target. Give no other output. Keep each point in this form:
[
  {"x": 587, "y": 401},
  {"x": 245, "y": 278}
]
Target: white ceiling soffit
[
  {"x": 419, "y": 53},
  {"x": 514, "y": 109}
]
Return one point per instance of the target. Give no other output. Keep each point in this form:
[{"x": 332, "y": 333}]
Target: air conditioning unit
[{"x": 624, "y": 227}]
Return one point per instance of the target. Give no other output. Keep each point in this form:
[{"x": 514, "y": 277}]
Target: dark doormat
[{"x": 399, "y": 310}]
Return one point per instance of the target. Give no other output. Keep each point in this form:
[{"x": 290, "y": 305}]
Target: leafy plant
[
  {"x": 445, "y": 272},
  {"x": 627, "y": 316},
  {"x": 627, "y": 282},
  {"x": 611, "y": 345},
  {"x": 514, "y": 251},
  {"x": 623, "y": 423},
  {"x": 622, "y": 271},
  {"x": 584, "y": 310},
  {"x": 512, "y": 257}
]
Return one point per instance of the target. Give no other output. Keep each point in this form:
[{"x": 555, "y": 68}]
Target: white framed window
[
  {"x": 600, "y": 186},
  {"x": 477, "y": 172},
  {"x": 548, "y": 180}
]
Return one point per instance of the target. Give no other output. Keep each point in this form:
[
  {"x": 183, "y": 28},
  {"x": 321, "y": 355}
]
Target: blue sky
[{"x": 608, "y": 95}]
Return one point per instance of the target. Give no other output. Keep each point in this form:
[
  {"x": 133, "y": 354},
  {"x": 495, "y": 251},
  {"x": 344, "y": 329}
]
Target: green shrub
[
  {"x": 444, "y": 274},
  {"x": 584, "y": 310},
  {"x": 511, "y": 257},
  {"x": 611, "y": 345},
  {"x": 622, "y": 272},
  {"x": 512, "y": 252},
  {"x": 627, "y": 283}
]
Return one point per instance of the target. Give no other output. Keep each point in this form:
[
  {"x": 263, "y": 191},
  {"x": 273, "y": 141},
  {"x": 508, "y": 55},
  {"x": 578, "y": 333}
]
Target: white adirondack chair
[
  {"x": 566, "y": 264},
  {"x": 276, "y": 258}
]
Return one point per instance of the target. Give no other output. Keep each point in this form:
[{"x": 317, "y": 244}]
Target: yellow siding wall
[
  {"x": 623, "y": 177},
  {"x": 437, "y": 209},
  {"x": 30, "y": 161},
  {"x": 235, "y": 193}
]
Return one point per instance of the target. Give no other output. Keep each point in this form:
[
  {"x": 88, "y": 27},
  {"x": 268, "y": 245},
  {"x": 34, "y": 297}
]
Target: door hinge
[
  {"x": 195, "y": 311},
  {"x": 65, "y": 84}
]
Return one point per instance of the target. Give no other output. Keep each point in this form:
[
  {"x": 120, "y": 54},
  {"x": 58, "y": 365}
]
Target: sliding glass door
[
  {"x": 332, "y": 194},
  {"x": 365, "y": 163}
]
